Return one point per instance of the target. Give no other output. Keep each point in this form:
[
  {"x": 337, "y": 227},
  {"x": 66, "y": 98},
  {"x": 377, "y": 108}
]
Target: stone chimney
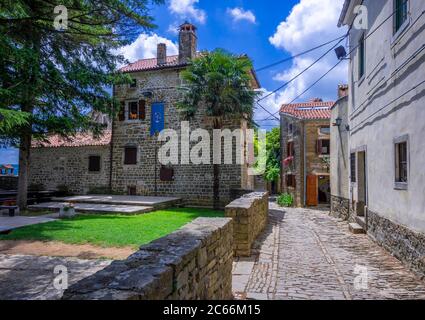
[
  {"x": 161, "y": 54},
  {"x": 187, "y": 42},
  {"x": 316, "y": 100},
  {"x": 342, "y": 90}
]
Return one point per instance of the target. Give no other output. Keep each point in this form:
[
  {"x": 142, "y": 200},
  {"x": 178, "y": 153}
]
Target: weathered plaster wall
[
  {"x": 340, "y": 160},
  {"x": 376, "y": 121},
  {"x": 193, "y": 263}
]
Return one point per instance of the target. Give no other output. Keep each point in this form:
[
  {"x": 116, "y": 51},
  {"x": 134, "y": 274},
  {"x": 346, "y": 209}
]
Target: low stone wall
[
  {"x": 405, "y": 244},
  {"x": 250, "y": 215},
  {"x": 192, "y": 263},
  {"x": 340, "y": 207},
  {"x": 9, "y": 182}
]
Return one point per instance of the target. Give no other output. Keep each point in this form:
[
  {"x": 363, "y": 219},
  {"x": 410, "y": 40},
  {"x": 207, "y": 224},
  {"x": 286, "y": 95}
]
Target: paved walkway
[
  {"x": 10, "y": 223},
  {"x": 306, "y": 254},
  {"x": 32, "y": 278}
]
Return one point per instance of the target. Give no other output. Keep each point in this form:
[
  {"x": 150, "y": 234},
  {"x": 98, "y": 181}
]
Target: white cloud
[
  {"x": 186, "y": 9},
  {"x": 239, "y": 14},
  {"x": 145, "y": 46},
  {"x": 309, "y": 24}
]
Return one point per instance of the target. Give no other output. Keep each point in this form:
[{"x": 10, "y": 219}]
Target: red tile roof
[
  {"x": 79, "y": 140},
  {"x": 313, "y": 110},
  {"x": 151, "y": 64}
]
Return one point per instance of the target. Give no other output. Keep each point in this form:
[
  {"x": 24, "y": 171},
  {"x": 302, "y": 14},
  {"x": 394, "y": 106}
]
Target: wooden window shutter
[
  {"x": 166, "y": 174},
  {"x": 121, "y": 114},
  {"x": 130, "y": 155},
  {"x": 142, "y": 110},
  {"x": 94, "y": 163},
  {"x": 319, "y": 147}
]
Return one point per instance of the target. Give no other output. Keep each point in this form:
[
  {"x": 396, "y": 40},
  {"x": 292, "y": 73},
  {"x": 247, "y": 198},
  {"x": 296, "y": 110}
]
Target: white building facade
[{"x": 386, "y": 115}]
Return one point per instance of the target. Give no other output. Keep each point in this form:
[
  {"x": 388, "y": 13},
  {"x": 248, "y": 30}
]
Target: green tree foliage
[
  {"x": 222, "y": 82},
  {"x": 51, "y": 80},
  {"x": 273, "y": 155}
]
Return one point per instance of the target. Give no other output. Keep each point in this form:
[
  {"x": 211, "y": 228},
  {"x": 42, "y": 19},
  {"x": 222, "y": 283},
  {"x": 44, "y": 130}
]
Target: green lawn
[{"x": 112, "y": 230}]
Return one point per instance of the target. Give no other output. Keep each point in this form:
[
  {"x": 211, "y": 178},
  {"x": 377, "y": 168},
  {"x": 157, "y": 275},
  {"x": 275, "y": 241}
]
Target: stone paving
[
  {"x": 25, "y": 277},
  {"x": 307, "y": 255}
]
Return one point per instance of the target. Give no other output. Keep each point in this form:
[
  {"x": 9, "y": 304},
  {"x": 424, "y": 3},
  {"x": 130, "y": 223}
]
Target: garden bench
[{"x": 11, "y": 209}]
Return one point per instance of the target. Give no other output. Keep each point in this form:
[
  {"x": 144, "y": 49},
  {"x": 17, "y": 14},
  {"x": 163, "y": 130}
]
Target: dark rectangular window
[
  {"x": 94, "y": 163},
  {"x": 133, "y": 111},
  {"x": 291, "y": 181},
  {"x": 401, "y": 162},
  {"x": 362, "y": 57},
  {"x": 353, "y": 167},
  {"x": 133, "y": 83},
  {"x": 323, "y": 147},
  {"x": 401, "y": 9},
  {"x": 130, "y": 155}
]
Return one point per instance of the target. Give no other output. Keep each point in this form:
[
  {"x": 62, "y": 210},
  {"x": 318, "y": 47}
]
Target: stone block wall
[
  {"x": 68, "y": 166},
  {"x": 340, "y": 207},
  {"x": 9, "y": 182},
  {"x": 193, "y": 263},
  {"x": 404, "y": 243},
  {"x": 250, "y": 216},
  {"x": 193, "y": 183}
]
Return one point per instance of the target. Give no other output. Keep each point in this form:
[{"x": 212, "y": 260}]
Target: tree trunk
[
  {"x": 24, "y": 155},
  {"x": 216, "y": 189}
]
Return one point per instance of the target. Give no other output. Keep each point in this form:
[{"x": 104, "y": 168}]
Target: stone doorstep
[{"x": 356, "y": 228}]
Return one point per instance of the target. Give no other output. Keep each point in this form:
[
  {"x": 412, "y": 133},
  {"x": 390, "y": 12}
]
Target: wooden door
[{"x": 312, "y": 191}]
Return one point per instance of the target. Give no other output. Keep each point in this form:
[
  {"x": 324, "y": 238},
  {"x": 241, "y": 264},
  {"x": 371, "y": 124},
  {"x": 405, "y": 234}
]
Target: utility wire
[
  {"x": 297, "y": 55},
  {"x": 348, "y": 54}
]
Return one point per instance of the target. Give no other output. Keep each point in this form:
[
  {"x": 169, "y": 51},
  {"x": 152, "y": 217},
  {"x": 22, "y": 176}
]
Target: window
[
  {"x": 290, "y": 128},
  {"x": 362, "y": 57},
  {"x": 130, "y": 155},
  {"x": 133, "y": 113},
  {"x": 353, "y": 167},
  {"x": 290, "y": 149},
  {"x": 325, "y": 131},
  {"x": 136, "y": 110},
  {"x": 133, "y": 83},
  {"x": 291, "y": 181},
  {"x": 94, "y": 164},
  {"x": 323, "y": 147},
  {"x": 401, "y": 163},
  {"x": 401, "y": 8}
]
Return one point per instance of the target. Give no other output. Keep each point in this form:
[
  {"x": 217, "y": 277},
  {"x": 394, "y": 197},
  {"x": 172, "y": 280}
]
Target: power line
[
  {"x": 297, "y": 55},
  {"x": 303, "y": 71},
  {"x": 354, "y": 48}
]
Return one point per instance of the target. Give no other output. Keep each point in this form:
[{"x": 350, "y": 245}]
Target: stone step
[
  {"x": 361, "y": 221},
  {"x": 355, "y": 228},
  {"x": 93, "y": 208}
]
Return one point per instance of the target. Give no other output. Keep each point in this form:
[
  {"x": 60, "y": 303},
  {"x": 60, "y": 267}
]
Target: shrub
[{"x": 285, "y": 200}]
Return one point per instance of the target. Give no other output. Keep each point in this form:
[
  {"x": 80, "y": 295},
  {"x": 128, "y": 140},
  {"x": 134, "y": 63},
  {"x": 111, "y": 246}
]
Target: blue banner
[{"x": 157, "y": 118}]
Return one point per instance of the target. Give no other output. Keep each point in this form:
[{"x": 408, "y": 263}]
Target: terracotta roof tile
[
  {"x": 151, "y": 64},
  {"x": 309, "y": 110},
  {"x": 79, "y": 140}
]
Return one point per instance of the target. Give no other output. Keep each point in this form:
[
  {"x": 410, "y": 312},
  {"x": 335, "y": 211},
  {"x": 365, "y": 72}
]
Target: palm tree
[{"x": 222, "y": 82}]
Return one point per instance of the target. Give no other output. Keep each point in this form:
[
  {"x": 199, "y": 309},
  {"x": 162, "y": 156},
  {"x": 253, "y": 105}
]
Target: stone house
[
  {"x": 340, "y": 155},
  {"x": 386, "y": 123},
  {"x": 305, "y": 145},
  {"x": 129, "y": 160}
]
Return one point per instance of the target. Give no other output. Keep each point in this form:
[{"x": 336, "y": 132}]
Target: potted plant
[{"x": 67, "y": 211}]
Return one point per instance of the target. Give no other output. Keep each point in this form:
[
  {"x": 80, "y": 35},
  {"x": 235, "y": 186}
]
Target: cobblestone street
[{"x": 306, "y": 254}]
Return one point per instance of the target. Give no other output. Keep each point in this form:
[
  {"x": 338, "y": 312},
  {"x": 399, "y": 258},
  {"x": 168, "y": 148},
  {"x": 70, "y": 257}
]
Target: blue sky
[{"x": 268, "y": 31}]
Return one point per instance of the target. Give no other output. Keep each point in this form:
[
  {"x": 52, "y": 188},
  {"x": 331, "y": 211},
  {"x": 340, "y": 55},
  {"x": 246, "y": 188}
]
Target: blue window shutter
[{"x": 157, "y": 118}]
